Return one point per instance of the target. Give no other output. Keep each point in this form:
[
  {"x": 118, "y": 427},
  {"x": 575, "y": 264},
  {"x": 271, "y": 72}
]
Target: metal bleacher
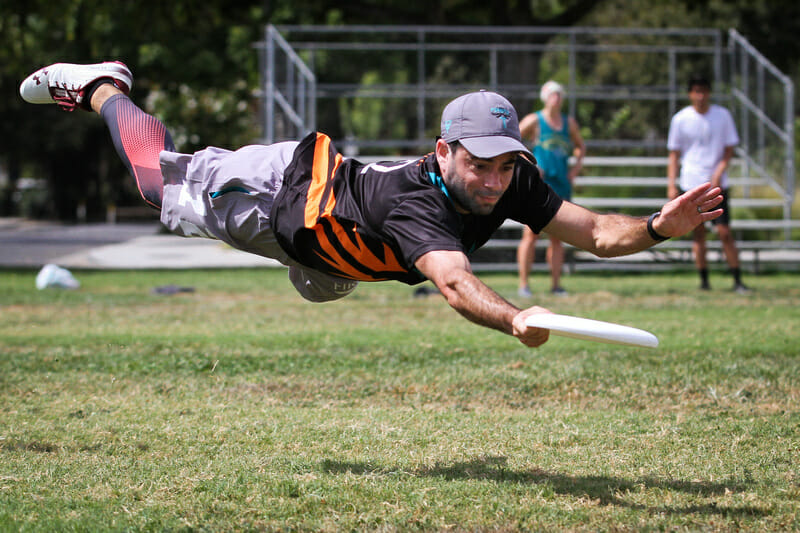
[
  {"x": 301, "y": 92},
  {"x": 760, "y": 240}
]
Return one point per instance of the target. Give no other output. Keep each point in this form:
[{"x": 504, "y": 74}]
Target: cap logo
[
  {"x": 447, "y": 125},
  {"x": 502, "y": 113}
]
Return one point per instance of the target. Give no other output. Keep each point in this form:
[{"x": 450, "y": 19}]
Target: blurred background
[{"x": 199, "y": 67}]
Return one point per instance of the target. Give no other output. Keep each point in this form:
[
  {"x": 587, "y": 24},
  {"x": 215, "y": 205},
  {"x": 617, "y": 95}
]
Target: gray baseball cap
[{"x": 484, "y": 122}]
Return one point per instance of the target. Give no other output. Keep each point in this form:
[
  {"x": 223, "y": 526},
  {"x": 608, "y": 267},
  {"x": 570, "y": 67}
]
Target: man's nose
[{"x": 493, "y": 179}]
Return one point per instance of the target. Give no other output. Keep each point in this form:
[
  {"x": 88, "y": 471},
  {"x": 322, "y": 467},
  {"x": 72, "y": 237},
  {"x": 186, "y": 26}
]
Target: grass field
[{"x": 241, "y": 407}]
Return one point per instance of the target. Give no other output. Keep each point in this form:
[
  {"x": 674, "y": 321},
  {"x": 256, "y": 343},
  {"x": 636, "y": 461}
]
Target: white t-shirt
[{"x": 701, "y": 140}]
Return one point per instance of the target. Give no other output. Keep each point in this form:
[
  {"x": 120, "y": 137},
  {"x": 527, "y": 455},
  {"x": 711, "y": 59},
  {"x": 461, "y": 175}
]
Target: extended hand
[
  {"x": 528, "y": 335},
  {"x": 689, "y": 210}
]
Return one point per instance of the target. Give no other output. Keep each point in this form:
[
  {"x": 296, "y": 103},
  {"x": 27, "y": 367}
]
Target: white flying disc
[{"x": 592, "y": 330}]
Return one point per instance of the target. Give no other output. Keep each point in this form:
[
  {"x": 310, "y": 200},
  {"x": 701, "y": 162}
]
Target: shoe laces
[{"x": 67, "y": 98}]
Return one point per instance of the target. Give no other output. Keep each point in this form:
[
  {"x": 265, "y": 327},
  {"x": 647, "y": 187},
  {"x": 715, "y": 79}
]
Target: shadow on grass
[{"x": 602, "y": 488}]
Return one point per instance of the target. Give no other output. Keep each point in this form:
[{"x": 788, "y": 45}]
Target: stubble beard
[{"x": 459, "y": 194}]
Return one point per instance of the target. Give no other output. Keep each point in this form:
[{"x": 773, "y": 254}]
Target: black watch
[{"x": 653, "y": 233}]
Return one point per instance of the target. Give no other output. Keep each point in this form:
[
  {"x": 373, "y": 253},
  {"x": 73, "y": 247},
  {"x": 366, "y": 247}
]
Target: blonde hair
[{"x": 549, "y": 88}]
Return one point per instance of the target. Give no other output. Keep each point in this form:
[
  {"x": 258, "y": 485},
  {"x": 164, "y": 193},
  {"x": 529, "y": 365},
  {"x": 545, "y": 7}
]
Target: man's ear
[{"x": 443, "y": 155}]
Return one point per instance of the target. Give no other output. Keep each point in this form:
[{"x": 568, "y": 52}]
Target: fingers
[
  {"x": 711, "y": 215},
  {"x": 527, "y": 335},
  {"x": 702, "y": 199},
  {"x": 707, "y": 201},
  {"x": 713, "y": 194},
  {"x": 708, "y": 205},
  {"x": 702, "y": 193},
  {"x": 534, "y": 337}
]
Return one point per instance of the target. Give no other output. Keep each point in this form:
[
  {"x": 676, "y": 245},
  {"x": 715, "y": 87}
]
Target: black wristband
[{"x": 653, "y": 233}]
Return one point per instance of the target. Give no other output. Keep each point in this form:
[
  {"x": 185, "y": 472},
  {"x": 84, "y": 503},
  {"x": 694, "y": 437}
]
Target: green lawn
[{"x": 241, "y": 407}]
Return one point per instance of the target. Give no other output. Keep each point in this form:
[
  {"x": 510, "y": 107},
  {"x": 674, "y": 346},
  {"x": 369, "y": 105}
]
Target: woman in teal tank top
[
  {"x": 555, "y": 138},
  {"x": 552, "y": 151}
]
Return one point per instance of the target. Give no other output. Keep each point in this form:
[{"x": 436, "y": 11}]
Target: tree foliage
[
  {"x": 196, "y": 69},
  {"x": 193, "y": 66}
]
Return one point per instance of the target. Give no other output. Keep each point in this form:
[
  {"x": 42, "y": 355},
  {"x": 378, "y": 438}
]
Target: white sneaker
[{"x": 65, "y": 83}]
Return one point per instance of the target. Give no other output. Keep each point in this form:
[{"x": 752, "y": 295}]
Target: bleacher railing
[
  {"x": 443, "y": 61},
  {"x": 763, "y": 103},
  {"x": 378, "y": 91},
  {"x": 288, "y": 90}
]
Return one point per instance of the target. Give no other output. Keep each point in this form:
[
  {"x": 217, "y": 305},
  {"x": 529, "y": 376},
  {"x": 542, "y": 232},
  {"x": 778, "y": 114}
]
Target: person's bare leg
[
  {"x": 525, "y": 256},
  {"x": 699, "y": 250},
  {"x": 728, "y": 245},
  {"x": 555, "y": 258},
  {"x": 731, "y": 256},
  {"x": 101, "y": 94}
]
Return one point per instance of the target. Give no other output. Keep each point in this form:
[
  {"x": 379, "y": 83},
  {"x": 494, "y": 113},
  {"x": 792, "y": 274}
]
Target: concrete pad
[{"x": 164, "y": 251}]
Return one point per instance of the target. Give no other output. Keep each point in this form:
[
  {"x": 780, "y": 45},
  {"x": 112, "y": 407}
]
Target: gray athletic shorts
[{"x": 226, "y": 195}]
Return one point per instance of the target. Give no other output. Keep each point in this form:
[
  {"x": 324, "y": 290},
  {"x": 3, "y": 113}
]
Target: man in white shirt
[{"x": 701, "y": 140}]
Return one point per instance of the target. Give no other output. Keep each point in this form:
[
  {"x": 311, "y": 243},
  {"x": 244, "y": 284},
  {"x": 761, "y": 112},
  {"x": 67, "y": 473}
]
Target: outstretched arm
[
  {"x": 611, "y": 235},
  {"x": 451, "y": 273}
]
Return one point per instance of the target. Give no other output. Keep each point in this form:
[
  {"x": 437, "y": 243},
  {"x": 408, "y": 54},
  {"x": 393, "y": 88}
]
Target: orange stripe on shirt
[
  {"x": 331, "y": 200},
  {"x": 346, "y": 270},
  {"x": 363, "y": 254},
  {"x": 319, "y": 179}
]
